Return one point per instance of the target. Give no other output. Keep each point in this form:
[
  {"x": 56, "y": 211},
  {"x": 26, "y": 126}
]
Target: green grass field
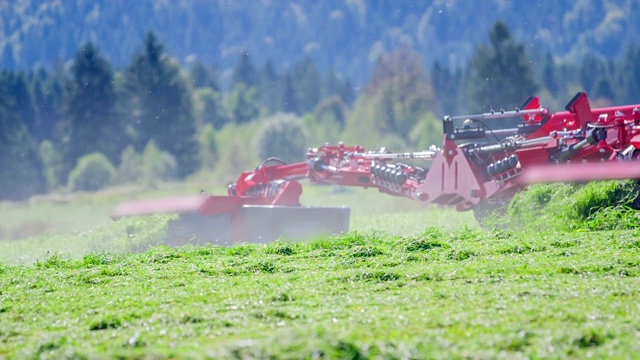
[{"x": 404, "y": 283}]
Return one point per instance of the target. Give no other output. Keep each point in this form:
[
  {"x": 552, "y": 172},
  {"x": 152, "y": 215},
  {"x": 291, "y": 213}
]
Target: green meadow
[{"x": 560, "y": 280}]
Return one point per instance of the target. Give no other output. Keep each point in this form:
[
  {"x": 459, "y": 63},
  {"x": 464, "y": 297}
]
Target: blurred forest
[{"x": 100, "y": 93}]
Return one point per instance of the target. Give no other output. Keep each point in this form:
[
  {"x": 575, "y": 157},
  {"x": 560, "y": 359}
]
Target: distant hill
[{"x": 347, "y": 35}]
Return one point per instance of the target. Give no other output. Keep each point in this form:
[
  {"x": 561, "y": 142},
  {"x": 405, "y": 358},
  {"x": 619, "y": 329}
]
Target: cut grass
[
  {"x": 402, "y": 284},
  {"x": 464, "y": 293},
  {"x": 94, "y": 231},
  {"x": 64, "y": 214},
  {"x": 604, "y": 205}
]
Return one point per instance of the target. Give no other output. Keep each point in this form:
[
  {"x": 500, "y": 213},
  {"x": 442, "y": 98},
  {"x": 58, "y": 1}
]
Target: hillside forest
[{"x": 86, "y": 124}]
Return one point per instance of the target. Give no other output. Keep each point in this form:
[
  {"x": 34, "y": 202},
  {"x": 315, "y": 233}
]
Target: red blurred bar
[
  {"x": 181, "y": 204},
  {"x": 608, "y": 170}
]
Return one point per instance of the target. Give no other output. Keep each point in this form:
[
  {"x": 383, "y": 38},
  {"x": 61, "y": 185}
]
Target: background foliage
[
  {"x": 344, "y": 34},
  {"x": 198, "y": 80}
]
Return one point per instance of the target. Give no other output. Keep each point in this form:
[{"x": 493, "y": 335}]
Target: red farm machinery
[{"x": 478, "y": 167}]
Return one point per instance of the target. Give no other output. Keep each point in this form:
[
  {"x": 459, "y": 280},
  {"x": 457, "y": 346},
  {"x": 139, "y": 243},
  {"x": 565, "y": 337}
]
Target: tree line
[
  {"x": 348, "y": 35},
  {"x": 87, "y": 125}
]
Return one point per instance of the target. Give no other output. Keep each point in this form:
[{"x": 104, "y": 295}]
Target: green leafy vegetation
[
  {"x": 200, "y": 114},
  {"x": 405, "y": 282},
  {"x": 488, "y": 73},
  {"x": 605, "y": 205},
  {"x": 464, "y": 292},
  {"x": 282, "y": 136},
  {"x": 556, "y": 277},
  {"x": 347, "y": 36},
  {"x": 93, "y": 172}
]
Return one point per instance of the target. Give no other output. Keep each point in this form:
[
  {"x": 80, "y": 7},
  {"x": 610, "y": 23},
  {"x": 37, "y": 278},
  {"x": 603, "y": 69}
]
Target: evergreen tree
[
  {"x": 338, "y": 84},
  {"x": 244, "y": 72},
  {"x": 331, "y": 81},
  {"x": 21, "y": 103},
  {"x": 592, "y": 69},
  {"x": 242, "y": 103},
  {"x": 400, "y": 91},
  {"x": 209, "y": 108},
  {"x": 159, "y": 103},
  {"x": 268, "y": 88},
  {"x": 631, "y": 75},
  {"x": 446, "y": 84},
  {"x": 346, "y": 91},
  {"x": 39, "y": 99},
  {"x": 500, "y": 75},
  {"x": 20, "y": 167},
  {"x": 549, "y": 76},
  {"x": 243, "y": 99},
  {"x": 201, "y": 77},
  {"x": 89, "y": 109},
  {"x": 603, "y": 89},
  {"x": 288, "y": 99},
  {"x": 307, "y": 84},
  {"x": 48, "y": 98}
]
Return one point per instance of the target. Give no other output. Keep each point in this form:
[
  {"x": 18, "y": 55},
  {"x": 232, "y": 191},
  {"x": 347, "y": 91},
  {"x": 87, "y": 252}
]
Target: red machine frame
[{"x": 476, "y": 163}]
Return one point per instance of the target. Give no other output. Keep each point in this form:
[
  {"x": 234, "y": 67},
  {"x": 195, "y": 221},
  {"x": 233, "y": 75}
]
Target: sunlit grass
[
  {"x": 604, "y": 205},
  {"x": 78, "y": 224},
  {"x": 465, "y": 292},
  {"x": 405, "y": 282}
]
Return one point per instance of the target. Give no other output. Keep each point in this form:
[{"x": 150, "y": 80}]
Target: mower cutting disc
[{"x": 258, "y": 224}]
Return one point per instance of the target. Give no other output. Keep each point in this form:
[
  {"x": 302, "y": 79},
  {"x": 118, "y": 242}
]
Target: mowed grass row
[
  {"x": 405, "y": 283},
  {"x": 461, "y": 293},
  {"x": 80, "y": 224}
]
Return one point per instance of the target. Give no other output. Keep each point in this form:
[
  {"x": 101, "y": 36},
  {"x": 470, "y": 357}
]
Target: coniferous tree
[
  {"x": 307, "y": 84},
  {"x": 48, "y": 99},
  {"x": 592, "y": 69},
  {"x": 330, "y": 87},
  {"x": 603, "y": 89},
  {"x": 209, "y": 108},
  {"x": 549, "y": 76},
  {"x": 346, "y": 91},
  {"x": 40, "y": 131},
  {"x": 242, "y": 103},
  {"x": 288, "y": 99},
  {"x": 49, "y": 107},
  {"x": 337, "y": 84},
  {"x": 500, "y": 75},
  {"x": 21, "y": 102},
  {"x": 631, "y": 75},
  {"x": 244, "y": 72},
  {"x": 89, "y": 108},
  {"x": 201, "y": 77},
  {"x": 446, "y": 84},
  {"x": 268, "y": 88},
  {"x": 20, "y": 167},
  {"x": 159, "y": 103},
  {"x": 401, "y": 91}
]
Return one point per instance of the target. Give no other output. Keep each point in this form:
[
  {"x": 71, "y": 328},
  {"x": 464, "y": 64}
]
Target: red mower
[{"x": 479, "y": 167}]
